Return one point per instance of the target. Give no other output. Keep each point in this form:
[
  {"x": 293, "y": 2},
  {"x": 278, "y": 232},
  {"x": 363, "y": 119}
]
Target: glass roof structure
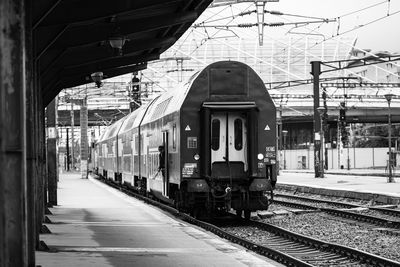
[{"x": 285, "y": 55}]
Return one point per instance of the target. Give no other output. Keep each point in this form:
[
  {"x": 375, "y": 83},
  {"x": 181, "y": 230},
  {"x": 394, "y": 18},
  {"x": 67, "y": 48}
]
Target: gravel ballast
[{"x": 335, "y": 230}]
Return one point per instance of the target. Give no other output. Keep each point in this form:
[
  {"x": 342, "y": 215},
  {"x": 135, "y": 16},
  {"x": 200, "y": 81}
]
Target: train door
[
  {"x": 166, "y": 171},
  {"x": 228, "y": 144},
  {"x": 132, "y": 163}
]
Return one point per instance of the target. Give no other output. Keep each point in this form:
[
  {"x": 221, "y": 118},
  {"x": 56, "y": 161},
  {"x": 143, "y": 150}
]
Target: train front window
[
  {"x": 238, "y": 128},
  {"x": 215, "y": 128}
]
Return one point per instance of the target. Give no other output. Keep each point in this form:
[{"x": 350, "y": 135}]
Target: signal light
[
  {"x": 342, "y": 115},
  {"x": 135, "y": 84},
  {"x": 342, "y": 111}
]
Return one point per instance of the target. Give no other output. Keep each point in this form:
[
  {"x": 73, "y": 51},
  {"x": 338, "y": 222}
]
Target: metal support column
[
  {"x": 390, "y": 162},
  {"x": 52, "y": 170},
  {"x": 84, "y": 138},
  {"x": 315, "y": 72},
  {"x": 32, "y": 161},
  {"x": 42, "y": 201},
  {"x": 325, "y": 130},
  {"x": 67, "y": 146},
  {"x": 31, "y": 153},
  {"x": 72, "y": 137},
  {"x": 279, "y": 137},
  {"x": 13, "y": 191}
]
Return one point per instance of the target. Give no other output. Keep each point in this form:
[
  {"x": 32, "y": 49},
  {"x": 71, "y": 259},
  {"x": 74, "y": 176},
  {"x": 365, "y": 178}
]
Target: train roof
[
  {"x": 162, "y": 105},
  {"x": 102, "y": 134},
  {"x": 133, "y": 119},
  {"x": 173, "y": 100},
  {"x": 169, "y": 102},
  {"x": 112, "y": 130}
]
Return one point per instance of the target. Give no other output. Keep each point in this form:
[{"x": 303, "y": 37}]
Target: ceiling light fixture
[
  {"x": 97, "y": 77},
  {"x": 117, "y": 41}
]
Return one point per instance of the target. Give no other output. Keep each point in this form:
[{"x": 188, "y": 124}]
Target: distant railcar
[{"x": 218, "y": 131}]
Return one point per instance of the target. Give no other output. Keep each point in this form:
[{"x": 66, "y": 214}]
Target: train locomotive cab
[{"x": 235, "y": 163}]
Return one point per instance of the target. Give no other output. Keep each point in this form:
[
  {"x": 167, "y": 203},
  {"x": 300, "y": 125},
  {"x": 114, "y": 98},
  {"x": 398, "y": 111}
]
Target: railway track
[
  {"x": 389, "y": 211},
  {"x": 392, "y": 212},
  {"x": 313, "y": 252},
  {"x": 284, "y": 246},
  {"x": 382, "y": 222},
  {"x": 313, "y": 200}
]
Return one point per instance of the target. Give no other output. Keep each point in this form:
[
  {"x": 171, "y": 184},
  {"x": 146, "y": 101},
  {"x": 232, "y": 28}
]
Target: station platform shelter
[{"x": 47, "y": 46}]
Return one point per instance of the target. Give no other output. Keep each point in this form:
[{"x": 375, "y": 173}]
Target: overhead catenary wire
[
  {"x": 211, "y": 36},
  {"x": 363, "y": 9},
  {"x": 295, "y": 48},
  {"x": 207, "y": 20},
  {"x": 208, "y": 36},
  {"x": 279, "y": 13},
  {"x": 363, "y": 25},
  {"x": 271, "y": 24},
  {"x": 357, "y": 27}
]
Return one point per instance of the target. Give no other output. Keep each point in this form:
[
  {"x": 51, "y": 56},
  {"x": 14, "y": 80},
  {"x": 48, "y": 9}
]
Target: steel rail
[
  {"x": 294, "y": 205},
  {"x": 345, "y": 214},
  {"x": 388, "y": 211},
  {"x": 331, "y": 202},
  {"x": 351, "y": 253},
  {"x": 363, "y": 217}
]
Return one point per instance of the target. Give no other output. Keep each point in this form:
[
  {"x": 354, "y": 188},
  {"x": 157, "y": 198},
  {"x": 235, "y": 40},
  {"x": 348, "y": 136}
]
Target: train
[{"x": 205, "y": 147}]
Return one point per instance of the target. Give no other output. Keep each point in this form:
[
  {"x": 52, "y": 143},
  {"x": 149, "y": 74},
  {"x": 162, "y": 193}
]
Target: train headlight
[
  {"x": 196, "y": 157},
  {"x": 260, "y": 156}
]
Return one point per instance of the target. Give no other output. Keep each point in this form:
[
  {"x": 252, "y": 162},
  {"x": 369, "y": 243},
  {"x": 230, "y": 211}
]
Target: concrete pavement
[{"x": 95, "y": 225}]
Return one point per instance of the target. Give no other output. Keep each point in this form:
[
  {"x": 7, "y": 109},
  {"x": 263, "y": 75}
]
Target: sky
[
  {"x": 383, "y": 34},
  {"x": 379, "y": 33}
]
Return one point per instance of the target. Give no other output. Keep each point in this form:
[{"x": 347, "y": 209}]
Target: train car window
[
  {"x": 136, "y": 143},
  {"x": 160, "y": 109},
  {"x": 238, "y": 128},
  {"x": 237, "y": 77},
  {"x": 215, "y": 127},
  {"x": 130, "y": 122},
  {"x": 174, "y": 137},
  {"x": 141, "y": 142}
]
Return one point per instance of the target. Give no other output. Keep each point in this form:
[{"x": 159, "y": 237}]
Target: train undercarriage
[
  {"x": 206, "y": 199},
  {"x": 210, "y": 199}
]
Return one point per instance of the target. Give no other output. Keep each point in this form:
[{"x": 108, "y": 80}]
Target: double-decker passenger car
[{"x": 218, "y": 131}]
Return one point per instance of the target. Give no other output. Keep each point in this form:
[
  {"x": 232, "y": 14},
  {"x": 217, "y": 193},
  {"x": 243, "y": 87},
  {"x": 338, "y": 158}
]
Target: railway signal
[
  {"x": 342, "y": 112},
  {"x": 135, "y": 93}
]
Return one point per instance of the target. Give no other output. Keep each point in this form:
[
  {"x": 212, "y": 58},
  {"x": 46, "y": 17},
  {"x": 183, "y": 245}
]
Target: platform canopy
[{"x": 75, "y": 39}]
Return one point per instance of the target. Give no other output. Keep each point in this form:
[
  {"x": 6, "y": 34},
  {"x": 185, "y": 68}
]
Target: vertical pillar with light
[
  {"x": 279, "y": 139},
  {"x": 284, "y": 132},
  {"x": 315, "y": 72},
  {"x": 321, "y": 111},
  {"x": 390, "y": 174}
]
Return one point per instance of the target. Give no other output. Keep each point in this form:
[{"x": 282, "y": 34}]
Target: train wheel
[
  {"x": 177, "y": 200},
  {"x": 247, "y": 214},
  {"x": 195, "y": 212}
]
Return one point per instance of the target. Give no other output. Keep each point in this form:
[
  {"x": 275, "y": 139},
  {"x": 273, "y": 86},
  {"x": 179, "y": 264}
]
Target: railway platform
[
  {"x": 95, "y": 225},
  {"x": 365, "y": 184}
]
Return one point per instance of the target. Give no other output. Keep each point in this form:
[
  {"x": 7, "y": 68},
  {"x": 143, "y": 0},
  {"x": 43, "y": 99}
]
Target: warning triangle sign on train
[
  {"x": 187, "y": 128},
  {"x": 267, "y": 128}
]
